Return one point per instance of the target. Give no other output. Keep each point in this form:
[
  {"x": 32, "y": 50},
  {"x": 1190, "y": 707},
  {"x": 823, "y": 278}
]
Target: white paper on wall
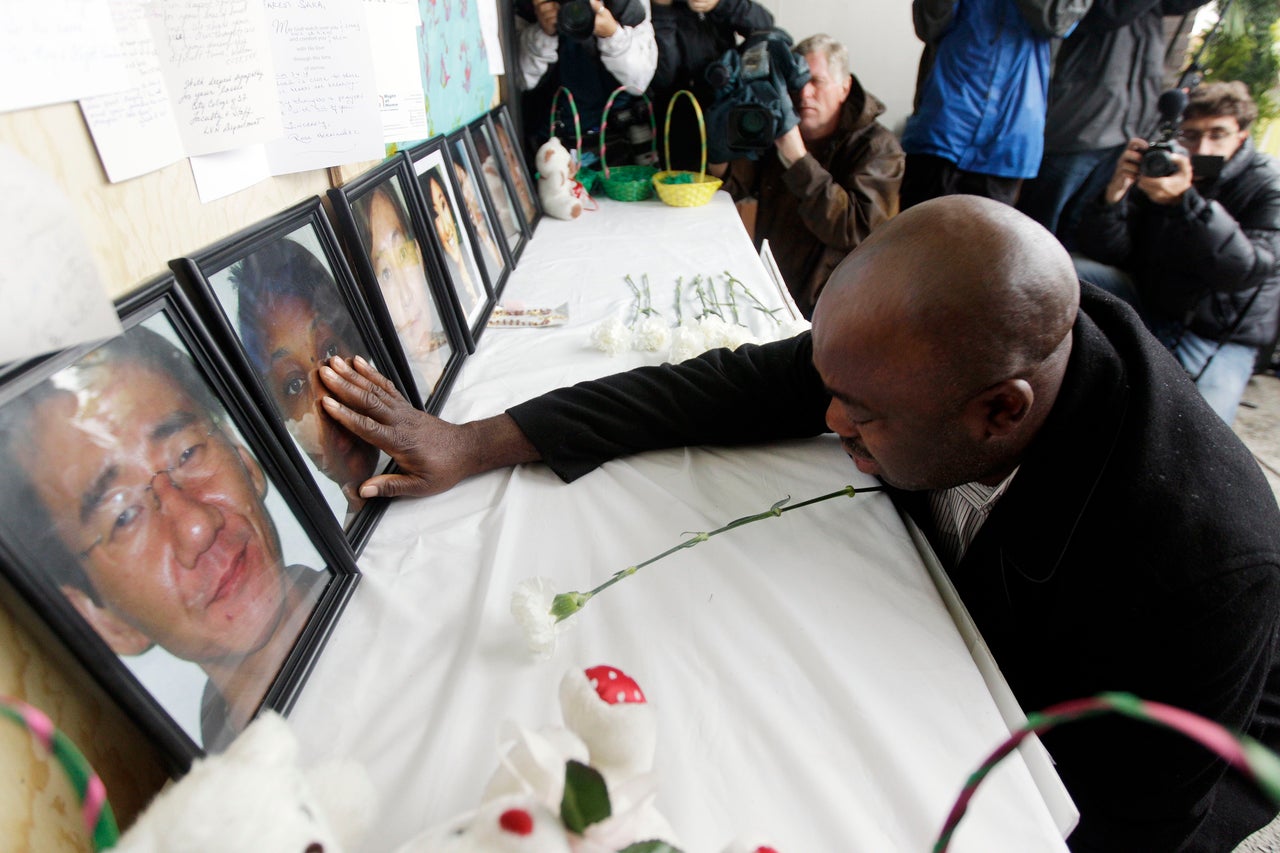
[
  {"x": 134, "y": 130},
  {"x": 51, "y": 294},
  {"x": 393, "y": 33},
  {"x": 488, "y": 12},
  {"x": 325, "y": 83},
  {"x": 217, "y": 67},
  {"x": 226, "y": 172},
  {"x": 57, "y": 50}
]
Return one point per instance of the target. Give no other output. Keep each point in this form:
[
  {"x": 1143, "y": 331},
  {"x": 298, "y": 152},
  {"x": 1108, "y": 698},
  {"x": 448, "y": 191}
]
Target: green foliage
[
  {"x": 650, "y": 847},
  {"x": 586, "y": 797},
  {"x": 1243, "y": 48}
]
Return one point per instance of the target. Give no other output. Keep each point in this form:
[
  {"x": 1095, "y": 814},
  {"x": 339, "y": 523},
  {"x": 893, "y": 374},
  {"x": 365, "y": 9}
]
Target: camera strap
[{"x": 1222, "y": 338}]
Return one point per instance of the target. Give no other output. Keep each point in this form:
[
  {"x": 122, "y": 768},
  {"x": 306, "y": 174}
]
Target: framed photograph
[
  {"x": 516, "y": 167},
  {"x": 279, "y": 299},
  {"x": 502, "y": 199},
  {"x": 381, "y": 223},
  {"x": 479, "y": 214},
  {"x": 152, "y": 520},
  {"x": 448, "y": 225}
]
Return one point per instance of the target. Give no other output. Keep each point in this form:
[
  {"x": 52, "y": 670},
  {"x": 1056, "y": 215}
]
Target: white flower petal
[{"x": 531, "y": 608}]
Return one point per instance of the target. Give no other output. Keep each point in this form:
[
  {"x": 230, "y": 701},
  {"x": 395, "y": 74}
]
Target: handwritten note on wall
[
  {"x": 134, "y": 130},
  {"x": 57, "y": 50},
  {"x": 216, "y": 64},
  {"x": 325, "y": 85}
]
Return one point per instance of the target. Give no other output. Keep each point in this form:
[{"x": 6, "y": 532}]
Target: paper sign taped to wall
[{"x": 51, "y": 294}]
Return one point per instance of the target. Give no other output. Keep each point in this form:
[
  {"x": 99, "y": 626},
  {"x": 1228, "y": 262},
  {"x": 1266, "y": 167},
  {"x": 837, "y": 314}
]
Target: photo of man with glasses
[
  {"x": 1195, "y": 250},
  {"x": 125, "y": 481}
]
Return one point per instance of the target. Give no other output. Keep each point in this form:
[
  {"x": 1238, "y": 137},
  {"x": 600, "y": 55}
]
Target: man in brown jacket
[{"x": 836, "y": 174}]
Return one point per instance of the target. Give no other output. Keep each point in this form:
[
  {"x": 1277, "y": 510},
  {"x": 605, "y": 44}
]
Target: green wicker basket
[{"x": 627, "y": 183}]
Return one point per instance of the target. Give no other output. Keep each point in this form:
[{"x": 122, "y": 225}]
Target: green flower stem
[
  {"x": 733, "y": 302},
  {"x": 756, "y": 303},
  {"x": 679, "y": 312},
  {"x": 566, "y": 604}
]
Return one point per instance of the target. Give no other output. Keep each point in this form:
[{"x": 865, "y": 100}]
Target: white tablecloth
[{"x": 809, "y": 685}]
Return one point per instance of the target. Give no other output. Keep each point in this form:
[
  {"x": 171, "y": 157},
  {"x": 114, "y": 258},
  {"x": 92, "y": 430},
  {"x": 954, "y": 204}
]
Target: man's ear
[
  {"x": 1001, "y": 408},
  {"x": 123, "y": 638}
]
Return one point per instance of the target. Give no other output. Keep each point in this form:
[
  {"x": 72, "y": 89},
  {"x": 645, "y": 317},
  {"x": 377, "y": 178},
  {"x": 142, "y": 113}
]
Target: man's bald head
[
  {"x": 950, "y": 298},
  {"x": 979, "y": 287}
]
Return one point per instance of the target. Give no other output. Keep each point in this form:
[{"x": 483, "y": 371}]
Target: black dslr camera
[
  {"x": 577, "y": 20},
  {"x": 752, "y": 85},
  {"x": 1157, "y": 160}
]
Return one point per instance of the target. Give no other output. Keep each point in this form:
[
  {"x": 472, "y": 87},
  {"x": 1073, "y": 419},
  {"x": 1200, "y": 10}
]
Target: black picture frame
[
  {"x": 154, "y": 523},
  {"x": 279, "y": 298},
  {"x": 516, "y": 168},
  {"x": 422, "y": 316},
  {"x": 471, "y": 189},
  {"x": 502, "y": 199},
  {"x": 453, "y": 240}
]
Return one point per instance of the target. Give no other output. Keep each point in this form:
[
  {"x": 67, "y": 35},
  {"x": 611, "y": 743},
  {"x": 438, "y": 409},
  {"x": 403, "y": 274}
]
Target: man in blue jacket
[{"x": 978, "y": 125}]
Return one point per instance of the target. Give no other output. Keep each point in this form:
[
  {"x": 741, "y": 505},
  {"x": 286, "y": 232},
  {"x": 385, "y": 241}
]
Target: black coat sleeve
[
  {"x": 744, "y": 16},
  {"x": 748, "y": 395}
]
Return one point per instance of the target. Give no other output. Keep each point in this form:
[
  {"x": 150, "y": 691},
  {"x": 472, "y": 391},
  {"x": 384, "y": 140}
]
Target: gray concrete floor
[{"x": 1258, "y": 424}]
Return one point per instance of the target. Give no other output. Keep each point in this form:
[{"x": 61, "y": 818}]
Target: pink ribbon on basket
[{"x": 95, "y": 810}]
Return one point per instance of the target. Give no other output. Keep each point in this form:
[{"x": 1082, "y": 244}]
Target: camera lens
[
  {"x": 576, "y": 20},
  {"x": 1157, "y": 162}
]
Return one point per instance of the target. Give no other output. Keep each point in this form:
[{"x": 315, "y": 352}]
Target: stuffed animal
[
  {"x": 584, "y": 787},
  {"x": 253, "y": 796},
  {"x": 558, "y": 188}
]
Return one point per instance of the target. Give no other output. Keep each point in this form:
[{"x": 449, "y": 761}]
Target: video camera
[
  {"x": 752, "y": 85},
  {"x": 1157, "y": 160},
  {"x": 577, "y": 20}
]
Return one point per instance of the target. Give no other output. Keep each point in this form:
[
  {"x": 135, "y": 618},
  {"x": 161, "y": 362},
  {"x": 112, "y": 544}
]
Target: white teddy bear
[
  {"x": 603, "y": 754},
  {"x": 253, "y": 796},
  {"x": 558, "y": 189}
]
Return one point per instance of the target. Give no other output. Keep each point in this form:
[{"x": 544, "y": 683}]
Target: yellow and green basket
[{"x": 680, "y": 188}]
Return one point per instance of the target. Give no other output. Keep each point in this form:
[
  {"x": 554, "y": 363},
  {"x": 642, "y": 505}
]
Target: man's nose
[
  {"x": 839, "y": 422},
  {"x": 191, "y": 523}
]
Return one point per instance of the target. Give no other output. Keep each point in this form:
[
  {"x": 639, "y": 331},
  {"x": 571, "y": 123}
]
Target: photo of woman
[
  {"x": 382, "y": 221},
  {"x": 475, "y": 210},
  {"x": 455, "y": 248},
  {"x": 504, "y": 203}
]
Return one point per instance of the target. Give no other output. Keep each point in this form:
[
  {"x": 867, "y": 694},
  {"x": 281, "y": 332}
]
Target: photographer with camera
[
  {"x": 834, "y": 170},
  {"x": 1188, "y": 231},
  {"x": 590, "y": 47},
  {"x": 691, "y": 34}
]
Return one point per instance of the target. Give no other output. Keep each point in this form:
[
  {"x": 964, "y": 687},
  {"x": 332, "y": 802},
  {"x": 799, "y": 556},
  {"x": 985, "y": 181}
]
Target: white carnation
[
  {"x": 650, "y": 334},
  {"x": 714, "y": 331},
  {"x": 718, "y": 333},
  {"x": 611, "y": 336},
  {"x": 531, "y": 608},
  {"x": 686, "y": 342}
]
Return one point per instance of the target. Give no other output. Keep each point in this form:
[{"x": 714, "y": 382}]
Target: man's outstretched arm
[{"x": 433, "y": 455}]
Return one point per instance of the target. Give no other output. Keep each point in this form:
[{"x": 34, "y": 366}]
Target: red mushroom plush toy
[{"x": 584, "y": 787}]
